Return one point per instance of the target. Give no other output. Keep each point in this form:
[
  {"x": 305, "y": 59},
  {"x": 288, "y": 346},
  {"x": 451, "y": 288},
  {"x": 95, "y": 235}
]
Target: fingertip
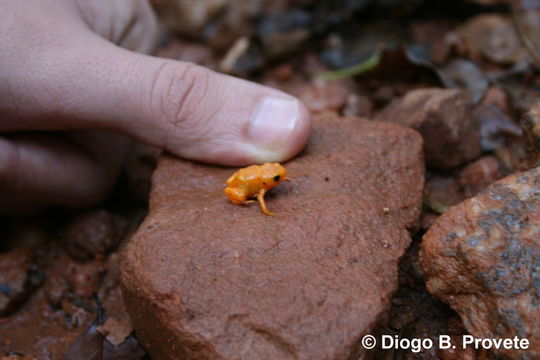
[
  {"x": 279, "y": 129},
  {"x": 300, "y": 135}
]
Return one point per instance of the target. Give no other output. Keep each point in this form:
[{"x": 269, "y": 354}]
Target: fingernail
[{"x": 272, "y": 122}]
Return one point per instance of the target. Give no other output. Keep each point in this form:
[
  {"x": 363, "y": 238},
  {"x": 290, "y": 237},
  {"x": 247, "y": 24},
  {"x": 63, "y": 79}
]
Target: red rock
[
  {"x": 442, "y": 191},
  {"x": 206, "y": 279},
  {"x": 283, "y": 72},
  {"x": 321, "y": 95},
  {"x": 84, "y": 279},
  {"x": 358, "y": 105},
  {"x": 479, "y": 174},
  {"x": 92, "y": 234},
  {"x": 495, "y": 96},
  {"x": 482, "y": 258},
  {"x": 427, "y": 219},
  {"x": 56, "y": 289},
  {"x": 443, "y": 117}
]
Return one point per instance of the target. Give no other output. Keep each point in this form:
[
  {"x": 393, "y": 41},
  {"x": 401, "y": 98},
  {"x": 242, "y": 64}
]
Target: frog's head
[{"x": 274, "y": 173}]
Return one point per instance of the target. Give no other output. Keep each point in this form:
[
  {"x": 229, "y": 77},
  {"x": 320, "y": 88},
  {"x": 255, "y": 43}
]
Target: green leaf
[{"x": 352, "y": 71}]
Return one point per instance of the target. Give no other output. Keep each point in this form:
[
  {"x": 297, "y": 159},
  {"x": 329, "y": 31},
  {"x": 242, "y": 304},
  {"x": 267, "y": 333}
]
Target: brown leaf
[
  {"x": 93, "y": 345},
  {"x": 116, "y": 330},
  {"x": 130, "y": 349},
  {"x": 88, "y": 346}
]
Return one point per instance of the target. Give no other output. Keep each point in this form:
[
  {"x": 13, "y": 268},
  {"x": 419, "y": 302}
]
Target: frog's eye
[{"x": 276, "y": 178}]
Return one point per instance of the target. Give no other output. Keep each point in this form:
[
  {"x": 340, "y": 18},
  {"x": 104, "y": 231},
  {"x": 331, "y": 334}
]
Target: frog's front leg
[{"x": 260, "y": 198}]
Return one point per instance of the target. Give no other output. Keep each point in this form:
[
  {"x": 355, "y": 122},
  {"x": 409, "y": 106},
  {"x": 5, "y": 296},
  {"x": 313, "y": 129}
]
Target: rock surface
[
  {"x": 482, "y": 257},
  {"x": 479, "y": 174},
  {"x": 442, "y": 191},
  {"x": 444, "y": 119},
  {"x": 493, "y": 37},
  {"x": 18, "y": 279},
  {"x": 321, "y": 95},
  {"x": 531, "y": 128},
  {"x": 93, "y": 234},
  {"x": 206, "y": 279}
]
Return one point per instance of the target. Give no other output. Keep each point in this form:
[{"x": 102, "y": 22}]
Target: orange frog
[{"x": 254, "y": 181}]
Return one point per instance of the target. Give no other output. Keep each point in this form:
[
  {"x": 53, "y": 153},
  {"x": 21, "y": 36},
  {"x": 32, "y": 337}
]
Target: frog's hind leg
[
  {"x": 260, "y": 198},
  {"x": 236, "y": 196}
]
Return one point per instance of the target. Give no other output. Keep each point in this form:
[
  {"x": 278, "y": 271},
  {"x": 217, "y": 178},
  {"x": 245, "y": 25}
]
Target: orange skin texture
[{"x": 254, "y": 181}]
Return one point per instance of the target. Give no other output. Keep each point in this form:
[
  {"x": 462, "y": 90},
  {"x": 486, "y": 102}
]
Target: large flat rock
[{"x": 206, "y": 279}]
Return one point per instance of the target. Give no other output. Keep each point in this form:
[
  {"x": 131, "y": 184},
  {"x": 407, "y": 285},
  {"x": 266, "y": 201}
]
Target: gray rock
[{"x": 482, "y": 257}]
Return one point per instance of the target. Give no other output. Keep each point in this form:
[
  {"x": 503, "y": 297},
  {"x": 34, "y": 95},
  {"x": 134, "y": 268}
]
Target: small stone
[
  {"x": 494, "y": 37},
  {"x": 92, "y": 234},
  {"x": 56, "y": 289},
  {"x": 495, "y": 96},
  {"x": 283, "y": 72},
  {"x": 358, "y": 105},
  {"x": 479, "y": 174},
  {"x": 18, "y": 279},
  {"x": 482, "y": 258},
  {"x": 84, "y": 279},
  {"x": 321, "y": 95},
  {"x": 427, "y": 219},
  {"x": 443, "y": 117},
  {"x": 442, "y": 191}
]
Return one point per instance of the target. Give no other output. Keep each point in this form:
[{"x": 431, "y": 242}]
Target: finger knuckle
[{"x": 177, "y": 91}]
